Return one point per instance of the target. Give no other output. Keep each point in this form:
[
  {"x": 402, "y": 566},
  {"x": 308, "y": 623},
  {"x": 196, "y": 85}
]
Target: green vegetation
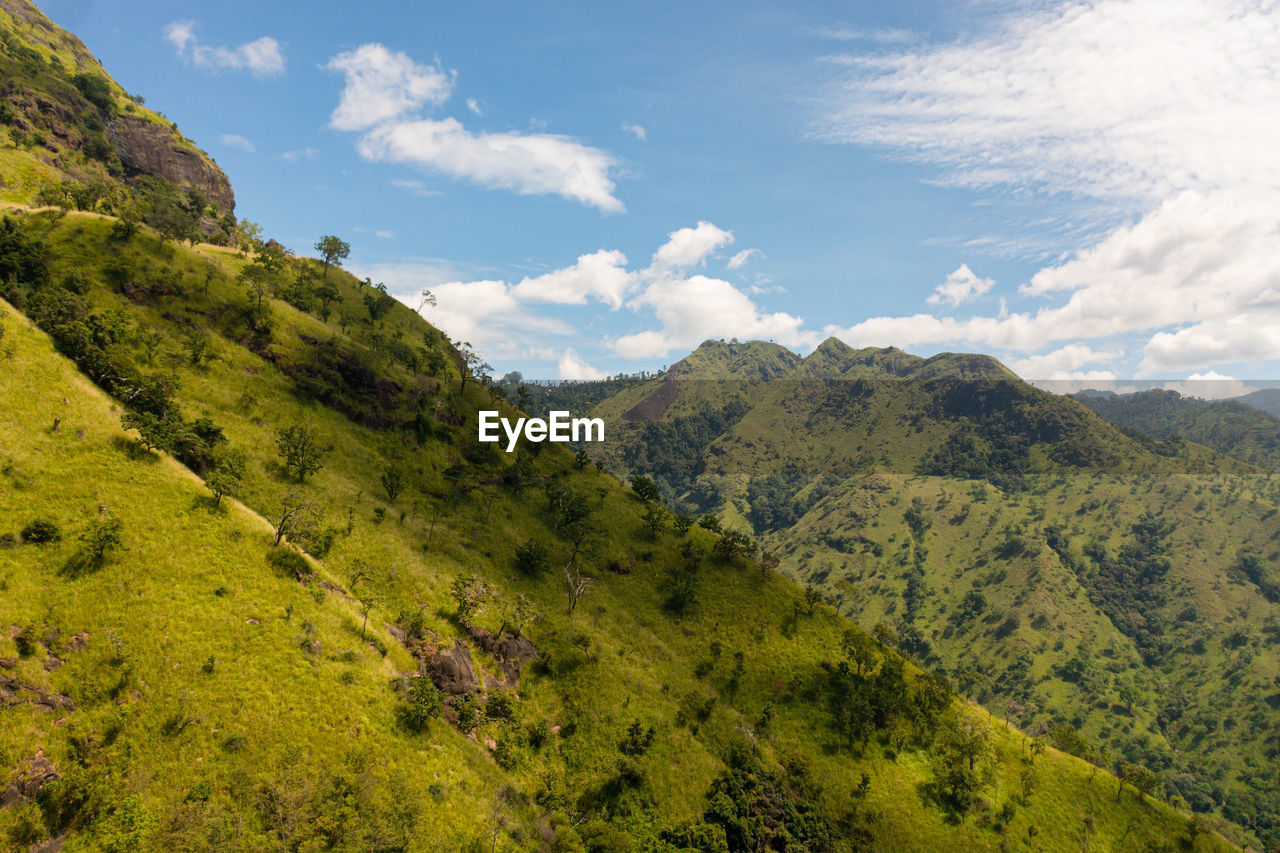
[
  {"x": 581, "y": 624},
  {"x": 1059, "y": 570},
  {"x": 220, "y": 636}
]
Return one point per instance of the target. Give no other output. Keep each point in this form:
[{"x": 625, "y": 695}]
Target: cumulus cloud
[
  {"x": 1065, "y": 363},
  {"x": 636, "y": 130},
  {"x": 689, "y": 247},
  {"x": 693, "y": 309},
  {"x": 261, "y": 57},
  {"x": 960, "y": 286},
  {"x": 530, "y": 164},
  {"x": 601, "y": 275},
  {"x": 383, "y": 85},
  {"x": 234, "y": 140},
  {"x": 383, "y": 99},
  {"x": 301, "y": 154},
  {"x": 502, "y": 317},
  {"x": 572, "y": 366},
  {"x": 739, "y": 260},
  {"x": 1155, "y": 117}
]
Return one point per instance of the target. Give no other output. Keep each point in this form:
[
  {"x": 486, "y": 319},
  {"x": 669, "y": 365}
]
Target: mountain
[
  {"x": 73, "y": 137},
  {"x": 1232, "y": 427},
  {"x": 1061, "y": 570},
  {"x": 263, "y": 589},
  {"x": 1268, "y": 400}
]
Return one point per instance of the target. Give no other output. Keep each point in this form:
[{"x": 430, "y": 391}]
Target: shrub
[
  {"x": 289, "y": 562},
  {"x": 40, "y": 532},
  {"x": 425, "y": 704},
  {"x": 531, "y": 558}
]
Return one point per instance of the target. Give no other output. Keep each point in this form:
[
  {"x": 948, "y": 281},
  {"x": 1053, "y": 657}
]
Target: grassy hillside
[
  {"x": 1116, "y": 592},
  {"x": 187, "y": 684},
  {"x": 71, "y": 136}
]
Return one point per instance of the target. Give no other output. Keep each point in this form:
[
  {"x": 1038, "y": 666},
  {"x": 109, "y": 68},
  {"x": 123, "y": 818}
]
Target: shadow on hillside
[{"x": 133, "y": 450}]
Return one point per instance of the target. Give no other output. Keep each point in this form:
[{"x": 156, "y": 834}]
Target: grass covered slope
[
  {"x": 687, "y": 700},
  {"x": 1118, "y": 593}
]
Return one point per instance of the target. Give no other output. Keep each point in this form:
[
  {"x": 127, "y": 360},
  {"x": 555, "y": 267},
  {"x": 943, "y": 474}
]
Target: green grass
[{"x": 618, "y": 658}]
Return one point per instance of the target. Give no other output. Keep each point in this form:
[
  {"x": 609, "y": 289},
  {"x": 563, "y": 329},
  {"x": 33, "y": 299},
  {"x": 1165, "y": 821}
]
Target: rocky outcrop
[
  {"x": 148, "y": 148},
  {"x": 511, "y": 653},
  {"x": 37, "y": 773},
  {"x": 452, "y": 670}
]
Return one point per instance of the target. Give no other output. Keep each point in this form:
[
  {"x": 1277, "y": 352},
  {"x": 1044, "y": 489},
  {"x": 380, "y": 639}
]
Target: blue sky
[{"x": 1086, "y": 190}]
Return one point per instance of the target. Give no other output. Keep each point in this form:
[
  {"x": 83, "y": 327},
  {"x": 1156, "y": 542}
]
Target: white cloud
[
  {"x": 382, "y": 85},
  {"x": 502, "y": 318},
  {"x": 1065, "y": 363},
  {"x": 530, "y": 164},
  {"x": 689, "y": 247},
  {"x": 636, "y": 130},
  {"x": 886, "y": 36},
  {"x": 960, "y": 286},
  {"x": 384, "y": 96},
  {"x": 601, "y": 275},
  {"x": 693, "y": 309},
  {"x": 233, "y": 140},
  {"x": 1154, "y": 118},
  {"x": 572, "y": 366},
  {"x": 385, "y": 235},
  {"x": 474, "y": 106},
  {"x": 261, "y": 57},
  {"x": 740, "y": 260},
  {"x": 1209, "y": 386},
  {"x": 301, "y": 154},
  {"x": 415, "y": 187}
]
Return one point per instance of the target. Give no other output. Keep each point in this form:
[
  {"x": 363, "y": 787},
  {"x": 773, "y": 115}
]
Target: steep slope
[
  {"x": 70, "y": 135},
  {"x": 227, "y": 697},
  {"x": 1061, "y": 571},
  {"x": 1233, "y": 427}
]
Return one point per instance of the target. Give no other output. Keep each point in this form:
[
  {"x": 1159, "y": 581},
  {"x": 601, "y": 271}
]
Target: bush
[
  {"x": 425, "y": 704},
  {"x": 40, "y": 532},
  {"x": 289, "y": 562},
  {"x": 531, "y": 558}
]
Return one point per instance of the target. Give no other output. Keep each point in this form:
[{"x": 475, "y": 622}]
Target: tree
[
  {"x": 293, "y": 509},
  {"x": 962, "y": 760},
  {"x": 812, "y": 597},
  {"x": 333, "y": 250},
  {"x": 153, "y": 431},
  {"x": 1139, "y": 777},
  {"x": 469, "y": 595},
  {"x": 367, "y": 602},
  {"x": 860, "y": 649},
  {"x": 646, "y": 489},
  {"x": 103, "y": 536},
  {"x": 300, "y": 450},
  {"x": 768, "y": 561},
  {"x": 425, "y": 703},
  {"x": 225, "y": 474},
  {"x": 532, "y": 558},
  {"x": 517, "y": 613},
  {"x": 472, "y": 364},
  {"x": 655, "y": 519},
  {"x": 257, "y": 280},
  {"x": 576, "y": 583},
  {"x": 327, "y": 294},
  {"x": 393, "y": 482}
]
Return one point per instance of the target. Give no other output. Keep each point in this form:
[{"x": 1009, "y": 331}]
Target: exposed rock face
[
  {"x": 147, "y": 148},
  {"x": 38, "y": 773},
  {"x": 511, "y": 653},
  {"x": 453, "y": 672}
]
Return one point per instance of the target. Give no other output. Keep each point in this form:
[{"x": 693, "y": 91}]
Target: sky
[{"x": 1088, "y": 191}]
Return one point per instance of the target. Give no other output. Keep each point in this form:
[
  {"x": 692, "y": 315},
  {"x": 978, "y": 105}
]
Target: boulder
[{"x": 452, "y": 670}]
